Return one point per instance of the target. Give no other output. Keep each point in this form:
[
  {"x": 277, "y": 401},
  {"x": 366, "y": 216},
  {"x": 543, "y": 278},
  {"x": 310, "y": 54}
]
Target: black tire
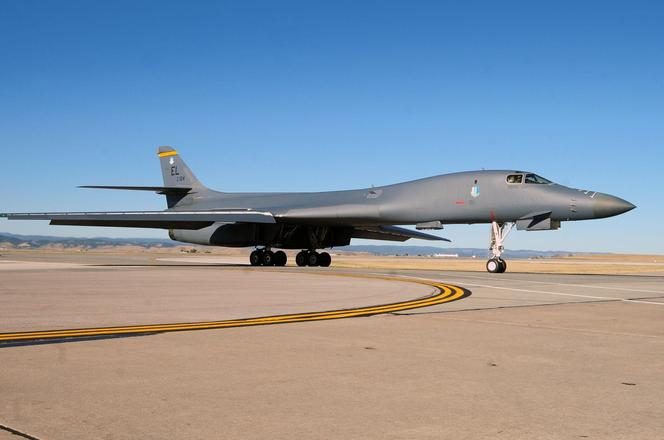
[
  {"x": 268, "y": 258},
  {"x": 493, "y": 265},
  {"x": 280, "y": 258},
  {"x": 301, "y": 258},
  {"x": 313, "y": 258},
  {"x": 256, "y": 258},
  {"x": 324, "y": 259},
  {"x": 503, "y": 265}
]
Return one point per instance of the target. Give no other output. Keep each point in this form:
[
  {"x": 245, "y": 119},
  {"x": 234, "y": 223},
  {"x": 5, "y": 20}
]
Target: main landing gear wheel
[
  {"x": 324, "y": 259},
  {"x": 262, "y": 257},
  {"x": 256, "y": 258},
  {"x": 301, "y": 258},
  {"x": 280, "y": 258},
  {"x": 313, "y": 258},
  {"x": 268, "y": 258}
]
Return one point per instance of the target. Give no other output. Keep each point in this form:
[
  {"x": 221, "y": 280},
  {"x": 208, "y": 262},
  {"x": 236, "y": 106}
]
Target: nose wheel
[
  {"x": 313, "y": 258},
  {"x": 496, "y": 265},
  {"x": 499, "y": 232}
]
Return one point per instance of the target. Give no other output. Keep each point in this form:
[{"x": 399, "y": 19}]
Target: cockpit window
[
  {"x": 534, "y": 178},
  {"x": 515, "y": 178}
]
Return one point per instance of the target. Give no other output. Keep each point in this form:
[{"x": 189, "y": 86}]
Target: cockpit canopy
[{"x": 531, "y": 178}]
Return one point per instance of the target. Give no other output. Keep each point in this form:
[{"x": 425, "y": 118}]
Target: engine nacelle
[
  {"x": 218, "y": 234},
  {"x": 254, "y": 234}
]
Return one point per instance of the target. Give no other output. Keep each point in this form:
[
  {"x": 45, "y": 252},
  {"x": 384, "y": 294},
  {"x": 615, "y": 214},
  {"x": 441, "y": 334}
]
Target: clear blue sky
[{"x": 306, "y": 96}]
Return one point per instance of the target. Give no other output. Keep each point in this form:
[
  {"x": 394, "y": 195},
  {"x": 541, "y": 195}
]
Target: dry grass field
[
  {"x": 604, "y": 264},
  {"x": 595, "y": 264}
]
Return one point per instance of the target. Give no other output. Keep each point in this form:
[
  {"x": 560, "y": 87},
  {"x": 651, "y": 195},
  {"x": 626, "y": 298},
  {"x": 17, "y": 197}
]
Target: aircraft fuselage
[{"x": 465, "y": 197}]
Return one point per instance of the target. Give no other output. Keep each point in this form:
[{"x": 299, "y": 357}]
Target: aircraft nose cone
[{"x": 607, "y": 205}]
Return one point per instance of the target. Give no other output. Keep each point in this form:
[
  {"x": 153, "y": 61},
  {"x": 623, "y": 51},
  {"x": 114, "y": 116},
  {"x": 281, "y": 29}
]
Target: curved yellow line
[{"x": 444, "y": 293}]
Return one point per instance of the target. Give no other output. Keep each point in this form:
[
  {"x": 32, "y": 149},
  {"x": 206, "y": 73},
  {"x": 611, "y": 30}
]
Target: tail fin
[{"x": 176, "y": 173}]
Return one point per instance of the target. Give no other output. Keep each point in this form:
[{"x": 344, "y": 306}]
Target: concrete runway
[{"x": 524, "y": 356}]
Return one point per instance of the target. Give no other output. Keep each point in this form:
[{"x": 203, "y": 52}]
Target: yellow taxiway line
[{"x": 443, "y": 293}]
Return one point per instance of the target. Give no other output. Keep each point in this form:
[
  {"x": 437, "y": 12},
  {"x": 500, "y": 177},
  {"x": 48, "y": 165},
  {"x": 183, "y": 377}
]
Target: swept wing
[{"x": 146, "y": 219}]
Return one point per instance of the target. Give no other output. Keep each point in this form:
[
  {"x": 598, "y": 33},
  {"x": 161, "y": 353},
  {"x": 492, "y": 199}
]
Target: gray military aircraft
[{"x": 318, "y": 220}]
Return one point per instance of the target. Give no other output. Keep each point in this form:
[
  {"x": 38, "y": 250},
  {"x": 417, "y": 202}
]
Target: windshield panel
[{"x": 534, "y": 178}]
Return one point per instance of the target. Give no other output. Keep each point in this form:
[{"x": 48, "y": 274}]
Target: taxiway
[{"x": 522, "y": 356}]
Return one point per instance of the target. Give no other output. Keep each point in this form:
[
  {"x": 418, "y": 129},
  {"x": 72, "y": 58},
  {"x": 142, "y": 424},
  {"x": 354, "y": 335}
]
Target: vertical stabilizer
[{"x": 176, "y": 173}]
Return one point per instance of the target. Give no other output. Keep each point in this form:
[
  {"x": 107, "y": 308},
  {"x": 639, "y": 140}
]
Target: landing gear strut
[
  {"x": 313, "y": 258},
  {"x": 265, "y": 257},
  {"x": 499, "y": 232}
]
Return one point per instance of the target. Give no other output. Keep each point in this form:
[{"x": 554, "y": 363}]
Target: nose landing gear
[{"x": 499, "y": 232}]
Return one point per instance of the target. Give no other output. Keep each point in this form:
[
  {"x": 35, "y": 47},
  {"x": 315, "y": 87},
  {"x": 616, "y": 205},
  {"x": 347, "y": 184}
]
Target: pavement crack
[
  {"x": 645, "y": 298},
  {"x": 18, "y": 433}
]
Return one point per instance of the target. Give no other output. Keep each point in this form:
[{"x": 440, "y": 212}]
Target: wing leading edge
[
  {"x": 146, "y": 219},
  {"x": 197, "y": 220}
]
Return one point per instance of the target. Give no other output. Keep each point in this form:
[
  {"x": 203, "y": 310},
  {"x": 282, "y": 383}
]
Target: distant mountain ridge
[
  {"x": 15, "y": 241},
  {"x": 38, "y": 241}
]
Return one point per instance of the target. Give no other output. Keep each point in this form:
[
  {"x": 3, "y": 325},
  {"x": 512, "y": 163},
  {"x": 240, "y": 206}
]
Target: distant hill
[
  {"x": 8, "y": 240},
  {"x": 14, "y": 241}
]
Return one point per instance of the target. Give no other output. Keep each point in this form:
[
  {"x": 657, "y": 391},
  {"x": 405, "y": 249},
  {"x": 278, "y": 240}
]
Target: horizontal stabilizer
[
  {"x": 157, "y": 189},
  {"x": 392, "y": 233},
  {"x": 146, "y": 219}
]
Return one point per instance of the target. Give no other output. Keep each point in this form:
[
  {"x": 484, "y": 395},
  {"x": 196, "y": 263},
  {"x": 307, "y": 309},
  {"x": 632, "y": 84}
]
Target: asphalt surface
[{"x": 523, "y": 356}]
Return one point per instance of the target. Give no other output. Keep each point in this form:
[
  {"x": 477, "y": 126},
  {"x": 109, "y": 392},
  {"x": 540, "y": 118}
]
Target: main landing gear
[
  {"x": 265, "y": 257},
  {"x": 499, "y": 232},
  {"x": 313, "y": 258}
]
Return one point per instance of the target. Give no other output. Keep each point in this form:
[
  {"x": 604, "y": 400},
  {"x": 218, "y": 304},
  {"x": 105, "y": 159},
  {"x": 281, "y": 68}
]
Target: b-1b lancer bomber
[{"x": 318, "y": 220}]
